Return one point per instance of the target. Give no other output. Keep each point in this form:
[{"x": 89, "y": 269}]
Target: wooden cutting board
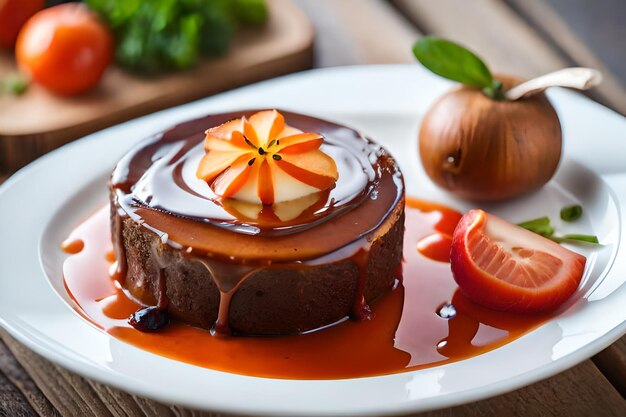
[{"x": 38, "y": 121}]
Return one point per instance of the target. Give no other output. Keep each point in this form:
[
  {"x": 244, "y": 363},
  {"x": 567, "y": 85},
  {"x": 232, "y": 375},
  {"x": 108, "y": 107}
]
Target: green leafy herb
[
  {"x": 541, "y": 226},
  {"x": 15, "y": 84},
  {"x": 571, "y": 213},
  {"x": 161, "y": 35},
  {"x": 452, "y": 61},
  {"x": 578, "y": 238},
  {"x": 250, "y": 12}
]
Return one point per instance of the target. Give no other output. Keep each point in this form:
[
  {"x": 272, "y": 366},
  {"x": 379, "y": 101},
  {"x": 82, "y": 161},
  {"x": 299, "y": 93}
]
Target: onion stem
[{"x": 494, "y": 91}]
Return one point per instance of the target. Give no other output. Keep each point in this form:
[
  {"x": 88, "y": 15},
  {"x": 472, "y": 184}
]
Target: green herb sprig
[
  {"x": 15, "y": 84},
  {"x": 577, "y": 238},
  {"x": 454, "y": 62},
  {"x": 161, "y": 35},
  {"x": 571, "y": 213},
  {"x": 542, "y": 226}
]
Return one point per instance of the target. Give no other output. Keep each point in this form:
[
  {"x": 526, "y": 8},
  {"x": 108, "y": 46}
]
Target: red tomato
[
  {"x": 505, "y": 267},
  {"x": 13, "y": 15},
  {"x": 65, "y": 48}
]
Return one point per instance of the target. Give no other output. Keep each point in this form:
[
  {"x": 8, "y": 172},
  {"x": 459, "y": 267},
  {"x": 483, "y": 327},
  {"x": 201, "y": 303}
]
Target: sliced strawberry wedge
[{"x": 505, "y": 267}]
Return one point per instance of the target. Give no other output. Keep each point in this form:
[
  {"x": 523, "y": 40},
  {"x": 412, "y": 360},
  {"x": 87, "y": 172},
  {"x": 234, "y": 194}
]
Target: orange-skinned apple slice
[
  {"x": 266, "y": 183},
  {"x": 267, "y": 124},
  {"x": 261, "y": 159},
  {"x": 225, "y": 130},
  {"x": 213, "y": 163},
  {"x": 299, "y": 143},
  {"x": 505, "y": 267},
  {"x": 214, "y": 144},
  {"x": 315, "y": 161},
  {"x": 233, "y": 178}
]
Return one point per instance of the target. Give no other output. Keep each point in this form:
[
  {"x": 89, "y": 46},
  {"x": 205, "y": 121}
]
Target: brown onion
[{"x": 483, "y": 149}]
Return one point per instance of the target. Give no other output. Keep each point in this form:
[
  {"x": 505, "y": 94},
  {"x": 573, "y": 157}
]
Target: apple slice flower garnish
[{"x": 261, "y": 159}]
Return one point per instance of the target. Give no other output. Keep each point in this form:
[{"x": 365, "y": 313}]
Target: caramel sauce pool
[{"x": 407, "y": 330}]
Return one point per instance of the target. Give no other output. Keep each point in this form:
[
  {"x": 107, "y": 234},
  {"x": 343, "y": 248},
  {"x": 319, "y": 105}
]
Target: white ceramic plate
[{"x": 41, "y": 204}]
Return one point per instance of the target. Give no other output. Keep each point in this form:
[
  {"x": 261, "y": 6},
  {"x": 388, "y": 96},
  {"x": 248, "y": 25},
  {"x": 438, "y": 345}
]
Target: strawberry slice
[{"x": 504, "y": 267}]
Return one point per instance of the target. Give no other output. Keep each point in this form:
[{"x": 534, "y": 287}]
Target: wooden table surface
[{"x": 526, "y": 38}]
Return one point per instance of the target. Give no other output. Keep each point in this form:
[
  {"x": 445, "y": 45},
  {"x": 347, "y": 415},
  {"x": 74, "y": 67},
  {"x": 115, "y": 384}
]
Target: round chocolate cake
[{"x": 263, "y": 232}]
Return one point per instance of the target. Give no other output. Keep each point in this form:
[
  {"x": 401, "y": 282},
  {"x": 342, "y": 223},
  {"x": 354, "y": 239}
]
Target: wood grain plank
[
  {"x": 351, "y": 32},
  {"x": 578, "y": 392},
  {"x": 16, "y": 374},
  {"x": 490, "y": 28},
  {"x": 600, "y": 25},
  {"x": 153, "y": 408},
  {"x": 119, "y": 404},
  {"x": 64, "y": 390},
  {"x": 509, "y": 43},
  {"x": 12, "y": 402},
  {"x": 283, "y": 46},
  {"x": 612, "y": 363},
  {"x": 13, "y": 377},
  {"x": 544, "y": 17}
]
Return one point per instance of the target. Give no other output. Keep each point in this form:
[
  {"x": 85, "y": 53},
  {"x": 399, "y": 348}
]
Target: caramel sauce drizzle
[
  {"x": 73, "y": 246},
  {"x": 360, "y": 309},
  {"x": 407, "y": 331},
  {"x": 228, "y": 278}
]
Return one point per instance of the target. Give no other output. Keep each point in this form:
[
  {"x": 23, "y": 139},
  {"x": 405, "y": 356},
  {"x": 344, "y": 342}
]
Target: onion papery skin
[{"x": 483, "y": 149}]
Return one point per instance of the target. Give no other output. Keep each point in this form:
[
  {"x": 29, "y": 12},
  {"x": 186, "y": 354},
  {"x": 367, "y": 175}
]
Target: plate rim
[{"x": 65, "y": 359}]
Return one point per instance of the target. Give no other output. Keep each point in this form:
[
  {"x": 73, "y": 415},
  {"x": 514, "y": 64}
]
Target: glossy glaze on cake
[{"x": 218, "y": 265}]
